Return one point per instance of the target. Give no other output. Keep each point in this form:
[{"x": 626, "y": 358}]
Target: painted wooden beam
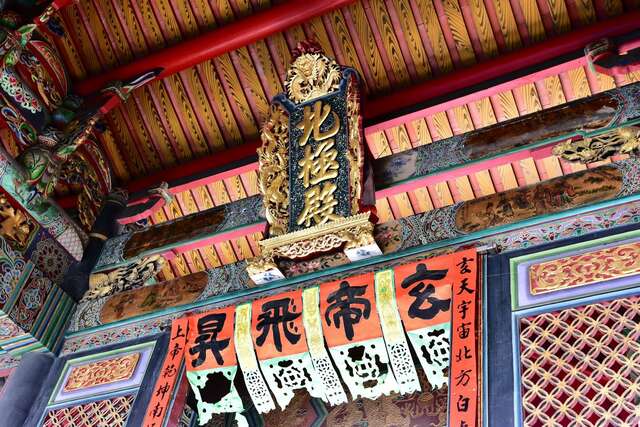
[
  {"x": 215, "y": 43},
  {"x": 462, "y": 223},
  {"x": 209, "y": 169},
  {"x": 442, "y": 160}
]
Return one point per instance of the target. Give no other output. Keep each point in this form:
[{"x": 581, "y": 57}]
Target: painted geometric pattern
[
  {"x": 581, "y": 366},
  {"x": 585, "y": 269},
  {"x": 109, "y": 412},
  {"x": 102, "y": 372}
]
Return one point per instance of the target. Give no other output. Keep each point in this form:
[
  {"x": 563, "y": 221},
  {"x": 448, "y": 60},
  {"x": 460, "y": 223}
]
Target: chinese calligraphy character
[
  {"x": 423, "y": 293},
  {"x": 209, "y": 327},
  {"x": 158, "y": 410},
  {"x": 463, "y": 353},
  {"x": 464, "y": 287},
  {"x": 276, "y": 315},
  {"x": 463, "y": 378},
  {"x": 179, "y": 333},
  {"x": 348, "y": 307},
  {"x": 463, "y": 403},
  {"x": 464, "y": 265},
  {"x": 463, "y": 330},
  {"x": 319, "y": 205},
  {"x": 314, "y": 119},
  {"x": 319, "y": 165},
  {"x": 162, "y": 390},
  {"x": 177, "y": 349},
  {"x": 463, "y": 307},
  {"x": 170, "y": 371}
]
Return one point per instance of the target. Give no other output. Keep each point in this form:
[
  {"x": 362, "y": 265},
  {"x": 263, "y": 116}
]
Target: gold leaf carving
[{"x": 273, "y": 175}]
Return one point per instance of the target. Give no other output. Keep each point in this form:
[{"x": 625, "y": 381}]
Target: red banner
[
  {"x": 210, "y": 343},
  {"x": 168, "y": 377},
  {"x": 277, "y": 327},
  {"x": 348, "y": 310},
  {"x": 463, "y": 394},
  {"x": 423, "y": 291}
]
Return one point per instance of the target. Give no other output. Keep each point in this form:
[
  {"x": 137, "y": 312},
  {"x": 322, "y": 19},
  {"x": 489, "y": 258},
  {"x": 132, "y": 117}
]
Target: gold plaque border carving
[{"x": 352, "y": 232}]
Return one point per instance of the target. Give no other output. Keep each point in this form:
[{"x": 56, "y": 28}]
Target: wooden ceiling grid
[
  {"x": 220, "y": 103},
  {"x": 392, "y": 43},
  {"x": 441, "y": 125}
]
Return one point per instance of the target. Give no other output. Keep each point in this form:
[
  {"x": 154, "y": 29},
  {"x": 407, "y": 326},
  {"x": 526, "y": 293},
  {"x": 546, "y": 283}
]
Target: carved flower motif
[{"x": 50, "y": 259}]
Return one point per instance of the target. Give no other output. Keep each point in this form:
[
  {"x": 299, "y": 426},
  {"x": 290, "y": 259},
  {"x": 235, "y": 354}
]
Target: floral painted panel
[
  {"x": 102, "y": 372},
  {"x": 585, "y": 269}
]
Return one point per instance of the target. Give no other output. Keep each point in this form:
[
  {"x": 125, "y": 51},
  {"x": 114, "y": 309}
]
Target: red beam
[
  {"x": 215, "y": 43},
  {"x": 501, "y": 66}
]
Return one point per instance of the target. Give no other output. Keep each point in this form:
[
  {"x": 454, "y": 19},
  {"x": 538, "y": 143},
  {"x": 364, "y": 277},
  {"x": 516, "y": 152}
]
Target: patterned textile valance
[{"x": 348, "y": 335}]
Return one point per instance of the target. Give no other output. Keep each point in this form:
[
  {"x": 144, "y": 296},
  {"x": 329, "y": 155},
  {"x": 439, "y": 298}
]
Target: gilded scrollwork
[
  {"x": 312, "y": 75},
  {"x": 601, "y": 147},
  {"x": 355, "y": 155},
  {"x": 125, "y": 278},
  {"x": 15, "y": 225},
  {"x": 354, "y": 231},
  {"x": 273, "y": 174}
]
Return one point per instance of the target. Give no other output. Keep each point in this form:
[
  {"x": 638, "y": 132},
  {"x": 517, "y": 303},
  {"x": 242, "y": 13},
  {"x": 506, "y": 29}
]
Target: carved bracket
[{"x": 601, "y": 147}]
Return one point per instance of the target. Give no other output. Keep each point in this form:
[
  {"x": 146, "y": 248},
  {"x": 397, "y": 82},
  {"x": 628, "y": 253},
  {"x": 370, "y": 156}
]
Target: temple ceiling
[{"x": 220, "y": 103}]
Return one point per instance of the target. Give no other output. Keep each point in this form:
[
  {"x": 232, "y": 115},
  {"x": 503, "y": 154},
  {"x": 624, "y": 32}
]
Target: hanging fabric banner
[
  {"x": 333, "y": 392},
  {"x": 253, "y": 379},
  {"x": 397, "y": 347},
  {"x": 168, "y": 376},
  {"x": 352, "y": 329},
  {"x": 211, "y": 363},
  {"x": 281, "y": 345},
  {"x": 463, "y": 393},
  {"x": 423, "y": 291}
]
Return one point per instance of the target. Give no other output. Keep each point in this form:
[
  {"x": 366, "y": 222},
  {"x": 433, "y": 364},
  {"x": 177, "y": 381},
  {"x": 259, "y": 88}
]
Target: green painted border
[{"x": 514, "y": 262}]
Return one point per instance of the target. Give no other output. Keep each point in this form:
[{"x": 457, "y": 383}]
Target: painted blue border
[{"x": 142, "y": 392}]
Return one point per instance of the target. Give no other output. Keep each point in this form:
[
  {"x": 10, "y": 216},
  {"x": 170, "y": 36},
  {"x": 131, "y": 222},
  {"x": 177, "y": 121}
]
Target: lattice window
[
  {"x": 581, "y": 366},
  {"x": 103, "y": 413}
]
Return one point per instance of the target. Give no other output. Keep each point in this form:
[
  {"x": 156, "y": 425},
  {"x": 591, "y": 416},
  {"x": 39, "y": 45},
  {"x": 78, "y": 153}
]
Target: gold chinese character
[
  {"x": 320, "y": 164},
  {"x": 319, "y": 205},
  {"x": 312, "y": 121}
]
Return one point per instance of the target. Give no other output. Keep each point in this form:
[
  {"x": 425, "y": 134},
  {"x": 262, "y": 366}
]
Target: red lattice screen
[
  {"x": 103, "y": 413},
  {"x": 581, "y": 366}
]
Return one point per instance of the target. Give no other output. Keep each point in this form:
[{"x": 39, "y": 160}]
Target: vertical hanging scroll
[
  {"x": 351, "y": 326},
  {"x": 397, "y": 347},
  {"x": 211, "y": 363},
  {"x": 464, "y": 368},
  {"x": 168, "y": 376},
  {"x": 333, "y": 392},
  {"x": 253, "y": 379}
]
